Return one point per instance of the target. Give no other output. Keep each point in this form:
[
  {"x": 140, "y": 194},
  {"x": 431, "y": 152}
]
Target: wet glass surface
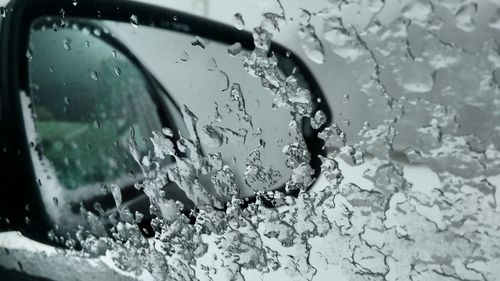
[{"x": 408, "y": 183}]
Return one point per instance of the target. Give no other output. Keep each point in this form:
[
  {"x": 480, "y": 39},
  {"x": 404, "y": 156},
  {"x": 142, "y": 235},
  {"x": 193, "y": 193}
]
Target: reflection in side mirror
[{"x": 178, "y": 116}]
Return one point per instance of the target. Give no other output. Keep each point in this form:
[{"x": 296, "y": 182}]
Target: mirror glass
[
  {"x": 106, "y": 94},
  {"x": 86, "y": 97}
]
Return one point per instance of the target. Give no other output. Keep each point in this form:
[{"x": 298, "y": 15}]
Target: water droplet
[
  {"x": 118, "y": 71},
  {"x": 184, "y": 56},
  {"x": 66, "y": 100},
  {"x": 134, "y": 21},
  {"x": 346, "y": 98},
  {"x": 3, "y": 12},
  {"x": 234, "y": 49},
  {"x": 211, "y": 136},
  {"x": 199, "y": 42},
  {"x": 311, "y": 44},
  {"x": 29, "y": 54},
  {"x": 97, "y": 124},
  {"x": 87, "y": 44},
  {"x": 75, "y": 3},
  {"x": 94, "y": 75},
  {"x": 464, "y": 17},
  {"x": 85, "y": 30},
  {"x": 174, "y": 18},
  {"x": 167, "y": 132},
  {"x": 56, "y": 201},
  {"x": 115, "y": 54},
  {"x": 212, "y": 64},
  {"x": 414, "y": 77},
  {"x": 495, "y": 22},
  {"x": 351, "y": 155},
  {"x": 318, "y": 120},
  {"x": 239, "y": 23},
  {"x": 66, "y": 44},
  {"x": 225, "y": 81},
  {"x": 330, "y": 168},
  {"x": 333, "y": 136},
  {"x": 117, "y": 194}
]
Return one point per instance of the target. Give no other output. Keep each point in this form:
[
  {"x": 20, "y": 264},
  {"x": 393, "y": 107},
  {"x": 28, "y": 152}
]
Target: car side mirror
[{"x": 155, "y": 106}]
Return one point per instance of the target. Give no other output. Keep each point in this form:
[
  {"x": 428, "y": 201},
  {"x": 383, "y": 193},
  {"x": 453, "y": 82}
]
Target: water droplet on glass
[
  {"x": 75, "y": 3},
  {"x": 117, "y": 194},
  {"x": 465, "y": 17},
  {"x": 85, "y": 30},
  {"x": 225, "y": 81},
  {"x": 346, "y": 98},
  {"x": 87, "y": 44},
  {"x": 96, "y": 32},
  {"x": 29, "y": 54},
  {"x": 495, "y": 22},
  {"x": 239, "y": 23},
  {"x": 3, "y": 12},
  {"x": 97, "y": 124},
  {"x": 115, "y": 54},
  {"x": 211, "y": 136},
  {"x": 118, "y": 71},
  {"x": 256, "y": 103},
  {"x": 333, "y": 136},
  {"x": 318, "y": 120},
  {"x": 414, "y": 77},
  {"x": 167, "y": 132},
  {"x": 234, "y": 49},
  {"x": 56, "y": 201},
  {"x": 94, "y": 75},
  {"x": 66, "y": 100},
  {"x": 184, "y": 56},
  {"x": 311, "y": 44},
  {"x": 330, "y": 168},
  {"x": 134, "y": 21},
  {"x": 212, "y": 64},
  {"x": 199, "y": 42},
  {"x": 174, "y": 18},
  {"x": 66, "y": 44}
]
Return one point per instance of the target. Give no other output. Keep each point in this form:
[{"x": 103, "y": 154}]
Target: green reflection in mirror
[{"x": 86, "y": 97}]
